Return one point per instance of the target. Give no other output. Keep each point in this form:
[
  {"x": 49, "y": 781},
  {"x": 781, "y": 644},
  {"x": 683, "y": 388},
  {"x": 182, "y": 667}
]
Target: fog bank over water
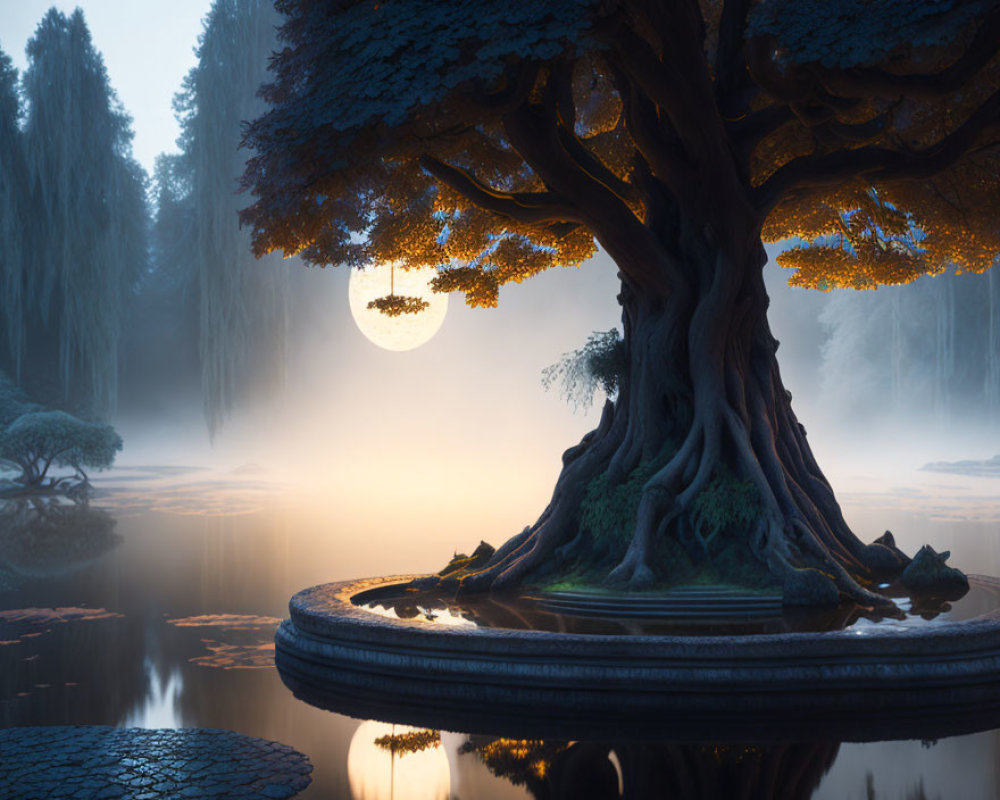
[
  {"x": 476, "y": 387},
  {"x": 460, "y": 428}
]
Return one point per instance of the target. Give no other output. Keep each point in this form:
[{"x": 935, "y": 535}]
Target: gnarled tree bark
[{"x": 702, "y": 400}]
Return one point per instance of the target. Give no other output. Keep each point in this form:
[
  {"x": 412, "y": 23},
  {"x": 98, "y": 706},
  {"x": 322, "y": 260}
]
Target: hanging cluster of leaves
[
  {"x": 859, "y": 241},
  {"x": 599, "y": 364},
  {"x": 494, "y": 143},
  {"x": 242, "y": 302},
  {"x": 72, "y": 211},
  {"x": 860, "y": 237},
  {"x": 395, "y": 305}
]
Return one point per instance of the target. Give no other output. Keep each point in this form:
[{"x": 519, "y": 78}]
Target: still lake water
[{"x": 156, "y": 607}]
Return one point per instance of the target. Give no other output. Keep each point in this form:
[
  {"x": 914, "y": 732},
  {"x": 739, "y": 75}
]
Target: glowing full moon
[{"x": 406, "y": 331}]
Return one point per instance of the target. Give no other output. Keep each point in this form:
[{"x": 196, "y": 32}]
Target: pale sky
[{"x": 148, "y": 47}]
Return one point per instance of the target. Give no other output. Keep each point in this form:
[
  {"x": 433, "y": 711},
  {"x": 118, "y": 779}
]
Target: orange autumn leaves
[{"x": 860, "y": 237}]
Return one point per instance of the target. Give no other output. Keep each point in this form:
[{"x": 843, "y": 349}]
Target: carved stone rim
[{"x": 926, "y": 682}]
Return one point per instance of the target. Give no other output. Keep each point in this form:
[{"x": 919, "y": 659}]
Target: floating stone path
[{"x": 99, "y": 763}]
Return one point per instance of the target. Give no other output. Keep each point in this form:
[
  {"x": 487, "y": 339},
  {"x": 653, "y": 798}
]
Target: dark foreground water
[{"x": 156, "y": 606}]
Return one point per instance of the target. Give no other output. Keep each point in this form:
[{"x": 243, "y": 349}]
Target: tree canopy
[
  {"x": 495, "y": 143},
  {"x": 33, "y": 439},
  {"x": 39, "y": 440}
]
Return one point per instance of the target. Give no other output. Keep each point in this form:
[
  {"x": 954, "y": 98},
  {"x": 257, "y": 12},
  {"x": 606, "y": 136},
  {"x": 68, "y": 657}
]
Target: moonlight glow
[
  {"x": 406, "y": 331},
  {"x": 375, "y": 773}
]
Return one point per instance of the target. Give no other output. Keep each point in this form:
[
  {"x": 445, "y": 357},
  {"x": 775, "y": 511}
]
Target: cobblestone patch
[{"x": 104, "y": 763}]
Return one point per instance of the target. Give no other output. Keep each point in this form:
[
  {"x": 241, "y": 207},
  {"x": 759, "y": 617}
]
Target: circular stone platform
[
  {"x": 338, "y": 655},
  {"x": 95, "y": 762}
]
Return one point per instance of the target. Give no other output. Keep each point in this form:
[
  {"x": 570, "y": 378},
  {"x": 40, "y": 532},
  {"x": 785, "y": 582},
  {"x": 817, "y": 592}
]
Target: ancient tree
[{"x": 495, "y": 141}]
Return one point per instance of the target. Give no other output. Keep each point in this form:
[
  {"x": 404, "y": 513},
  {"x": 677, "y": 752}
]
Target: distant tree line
[
  {"x": 73, "y": 218},
  {"x": 930, "y": 348},
  {"x": 117, "y": 287}
]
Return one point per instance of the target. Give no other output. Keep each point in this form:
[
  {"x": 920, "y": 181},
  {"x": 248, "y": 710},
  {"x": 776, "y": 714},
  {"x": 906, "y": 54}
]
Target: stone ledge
[{"x": 331, "y": 652}]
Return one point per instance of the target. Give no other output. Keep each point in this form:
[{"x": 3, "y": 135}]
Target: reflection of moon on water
[
  {"x": 374, "y": 773},
  {"x": 406, "y": 331}
]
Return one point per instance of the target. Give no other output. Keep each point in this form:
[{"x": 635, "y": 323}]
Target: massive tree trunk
[{"x": 699, "y": 468}]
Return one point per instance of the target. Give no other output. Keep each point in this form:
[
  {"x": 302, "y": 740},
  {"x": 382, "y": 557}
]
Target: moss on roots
[
  {"x": 608, "y": 513},
  {"x": 715, "y": 550}
]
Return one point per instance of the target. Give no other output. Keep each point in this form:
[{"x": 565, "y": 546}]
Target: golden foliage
[
  {"x": 858, "y": 236},
  {"x": 868, "y": 232},
  {"x": 519, "y": 759},
  {"x": 598, "y": 106},
  {"x": 366, "y": 198}
]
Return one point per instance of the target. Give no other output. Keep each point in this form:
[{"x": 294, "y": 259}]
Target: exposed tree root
[{"x": 703, "y": 404}]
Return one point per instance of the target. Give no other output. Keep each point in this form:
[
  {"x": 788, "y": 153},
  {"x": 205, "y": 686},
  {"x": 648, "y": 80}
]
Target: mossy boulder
[
  {"x": 884, "y": 557},
  {"x": 463, "y": 563},
  {"x": 928, "y": 574}
]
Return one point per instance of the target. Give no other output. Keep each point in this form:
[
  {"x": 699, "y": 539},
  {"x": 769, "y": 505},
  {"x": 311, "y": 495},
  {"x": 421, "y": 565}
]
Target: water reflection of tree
[
  {"x": 599, "y": 771},
  {"x": 401, "y": 744},
  {"x": 46, "y": 538},
  {"x": 44, "y": 680},
  {"x": 918, "y": 792}
]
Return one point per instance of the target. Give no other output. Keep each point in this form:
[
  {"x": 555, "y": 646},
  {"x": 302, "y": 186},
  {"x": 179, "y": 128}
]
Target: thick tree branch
[
  {"x": 877, "y": 83},
  {"x": 878, "y": 163},
  {"x": 731, "y": 75},
  {"x": 562, "y": 82},
  {"x": 792, "y": 86},
  {"x": 747, "y": 132},
  {"x": 678, "y": 82},
  {"x": 524, "y": 207},
  {"x": 518, "y": 81},
  {"x": 534, "y": 134},
  {"x": 662, "y": 153},
  {"x": 676, "y": 85},
  {"x": 860, "y": 132}
]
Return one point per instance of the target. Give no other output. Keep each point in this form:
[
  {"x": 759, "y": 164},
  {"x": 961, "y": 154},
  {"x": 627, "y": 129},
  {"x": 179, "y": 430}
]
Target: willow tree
[
  {"x": 14, "y": 196},
  {"x": 88, "y": 220},
  {"x": 496, "y": 142},
  {"x": 242, "y": 303}
]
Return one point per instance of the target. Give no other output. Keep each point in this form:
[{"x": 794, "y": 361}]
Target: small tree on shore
[{"x": 39, "y": 440}]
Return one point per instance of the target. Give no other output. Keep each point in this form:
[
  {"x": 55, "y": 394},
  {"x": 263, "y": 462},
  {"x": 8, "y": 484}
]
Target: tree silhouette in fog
[{"x": 74, "y": 218}]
